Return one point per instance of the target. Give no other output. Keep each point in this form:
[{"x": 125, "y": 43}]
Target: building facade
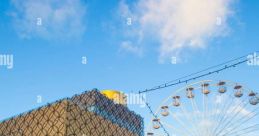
[{"x": 87, "y": 114}]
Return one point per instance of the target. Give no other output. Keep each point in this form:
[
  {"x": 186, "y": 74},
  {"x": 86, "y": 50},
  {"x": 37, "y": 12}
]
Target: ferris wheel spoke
[
  {"x": 254, "y": 114},
  {"x": 242, "y": 122},
  {"x": 206, "y": 118},
  {"x": 197, "y": 109},
  {"x": 196, "y": 113},
  {"x": 181, "y": 132},
  {"x": 228, "y": 121},
  {"x": 196, "y": 133},
  {"x": 226, "y": 111},
  {"x": 183, "y": 125},
  {"x": 199, "y": 113},
  {"x": 212, "y": 114},
  {"x": 203, "y": 116},
  {"x": 199, "y": 116},
  {"x": 246, "y": 130},
  {"x": 221, "y": 116},
  {"x": 217, "y": 108}
]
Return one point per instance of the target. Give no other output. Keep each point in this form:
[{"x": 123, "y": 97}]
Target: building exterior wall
[
  {"x": 84, "y": 123},
  {"x": 47, "y": 120},
  {"x": 118, "y": 114},
  {"x": 88, "y": 114}
]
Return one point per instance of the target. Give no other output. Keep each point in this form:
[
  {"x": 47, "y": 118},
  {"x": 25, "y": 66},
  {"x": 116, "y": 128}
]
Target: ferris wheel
[{"x": 208, "y": 108}]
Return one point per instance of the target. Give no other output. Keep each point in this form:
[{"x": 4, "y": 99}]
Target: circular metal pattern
[{"x": 208, "y": 108}]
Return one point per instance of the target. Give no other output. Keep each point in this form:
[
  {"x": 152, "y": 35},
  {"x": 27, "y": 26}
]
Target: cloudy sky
[{"x": 129, "y": 46}]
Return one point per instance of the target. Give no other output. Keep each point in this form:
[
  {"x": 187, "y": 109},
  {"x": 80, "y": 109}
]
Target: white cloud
[
  {"x": 127, "y": 46},
  {"x": 134, "y": 35},
  {"x": 124, "y": 10},
  {"x": 61, "y": 19},
  {"x": 182, "y": 24}
]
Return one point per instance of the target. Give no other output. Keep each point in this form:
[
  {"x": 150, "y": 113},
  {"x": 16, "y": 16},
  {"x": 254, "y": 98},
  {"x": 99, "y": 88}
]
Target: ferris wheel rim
[
  {"x": 202, "y": 81},
  {"x": 229, "y": 83}
]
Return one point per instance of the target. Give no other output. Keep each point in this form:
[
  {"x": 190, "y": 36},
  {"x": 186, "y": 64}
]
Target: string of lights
[{"x": 221, "y": 67}]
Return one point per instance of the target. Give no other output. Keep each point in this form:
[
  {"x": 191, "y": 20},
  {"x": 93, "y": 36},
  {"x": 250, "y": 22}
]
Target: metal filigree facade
[{"x": 87, "y": 114}]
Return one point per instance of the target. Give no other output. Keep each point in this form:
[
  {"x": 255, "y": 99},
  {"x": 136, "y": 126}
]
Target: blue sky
[{"x": 47, "y": 58}]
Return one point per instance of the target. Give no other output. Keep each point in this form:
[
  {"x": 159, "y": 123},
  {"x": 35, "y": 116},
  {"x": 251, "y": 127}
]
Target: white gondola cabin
[
  {"x": 156, "y": 123},
  {"x": 205, "y": 88},
  {"x": 189, "y": 92},
  {"x": 222, "y": 87},
  {"x": 176, "y": 101},
  {"x": 238, "y": 91},
  {"x": 164, "y": 111}
]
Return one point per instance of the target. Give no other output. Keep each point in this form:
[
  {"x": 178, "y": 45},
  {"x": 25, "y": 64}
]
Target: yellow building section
[{"x": 116, "y": 96}]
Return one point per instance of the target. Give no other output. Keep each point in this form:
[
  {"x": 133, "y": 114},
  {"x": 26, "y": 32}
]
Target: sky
[{"x": 129, "y": 46}]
